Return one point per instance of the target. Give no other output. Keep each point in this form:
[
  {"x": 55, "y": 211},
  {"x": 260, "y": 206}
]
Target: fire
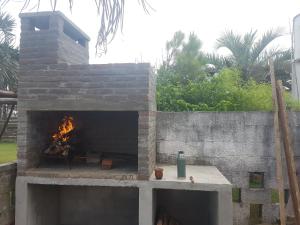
[{"x": 66, "y": 126}]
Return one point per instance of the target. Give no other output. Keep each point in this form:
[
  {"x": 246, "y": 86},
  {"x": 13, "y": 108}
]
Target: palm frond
[
  {"x": 7, "y": 24},
  {"x": 263, "y": 42},
  {"x": 218, "y": 61},
  {"x": 231, "y": 41},
  {"x": 110, "y": 13},
  {"x": 235, "y": 44},
  {"x": 249, "y": 38}
]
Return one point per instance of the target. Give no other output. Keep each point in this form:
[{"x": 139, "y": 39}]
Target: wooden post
[
  {"x": 289, "y": 155},
  {"x": 279, "y": 176}
]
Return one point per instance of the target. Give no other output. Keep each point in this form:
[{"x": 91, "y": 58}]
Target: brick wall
[
  {"x": 7, "y": 192},
  {"x": 120, "y": 87}
]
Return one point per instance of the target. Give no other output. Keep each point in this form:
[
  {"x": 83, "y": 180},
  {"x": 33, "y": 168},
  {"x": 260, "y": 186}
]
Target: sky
[{"x": 144, "y": 36}]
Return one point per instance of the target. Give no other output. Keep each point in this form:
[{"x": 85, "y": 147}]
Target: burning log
[
  {"x": 60, "y": 146},
  {"x": 58, "y": 149}
]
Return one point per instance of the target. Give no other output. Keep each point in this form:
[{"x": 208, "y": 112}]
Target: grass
[{"x": 8, "y": 152}]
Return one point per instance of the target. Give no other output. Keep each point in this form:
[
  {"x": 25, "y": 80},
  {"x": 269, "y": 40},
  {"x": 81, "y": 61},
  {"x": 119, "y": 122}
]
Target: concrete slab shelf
[{"x": 211, "y": 191}]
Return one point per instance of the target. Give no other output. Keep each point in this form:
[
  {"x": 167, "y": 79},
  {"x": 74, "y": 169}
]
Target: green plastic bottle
[{"x": 181, "y": 170}]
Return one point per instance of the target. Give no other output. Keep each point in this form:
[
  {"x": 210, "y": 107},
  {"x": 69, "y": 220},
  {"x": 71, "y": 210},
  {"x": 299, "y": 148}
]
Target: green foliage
[
  {"x": 224, "y": 92},
  {"x": 185, "y": 84}
]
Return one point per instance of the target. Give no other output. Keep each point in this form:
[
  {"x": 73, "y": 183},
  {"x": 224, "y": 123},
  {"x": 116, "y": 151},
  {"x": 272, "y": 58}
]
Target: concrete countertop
[{"x": 204, "y": 177}]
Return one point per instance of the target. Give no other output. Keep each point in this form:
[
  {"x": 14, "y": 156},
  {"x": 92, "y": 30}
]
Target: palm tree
[
  {"x": 8, "y": 54},
  {"x": 8, "y": 58},
  {"x": 110, "y": 12},
  {"x": 247, "y": 53}
]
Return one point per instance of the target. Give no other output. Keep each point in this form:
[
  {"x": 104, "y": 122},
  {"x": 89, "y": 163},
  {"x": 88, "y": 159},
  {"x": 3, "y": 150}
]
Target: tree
[
  {"x": 247, "y": 52},
  {"x": 184, "y": 60},
  {"x": 110, "y": 12}
]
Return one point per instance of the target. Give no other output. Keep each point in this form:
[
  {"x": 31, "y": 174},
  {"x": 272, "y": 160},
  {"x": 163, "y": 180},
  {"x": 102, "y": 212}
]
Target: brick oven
[
  {"x": 113, "y": 105},
  {"x": 73, "y": 116}
]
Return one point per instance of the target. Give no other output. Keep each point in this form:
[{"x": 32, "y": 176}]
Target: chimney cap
[{"x": 58, "y": 14}]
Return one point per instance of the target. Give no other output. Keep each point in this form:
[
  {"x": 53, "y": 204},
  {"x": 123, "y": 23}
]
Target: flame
[{"x": 66, "y": 126}]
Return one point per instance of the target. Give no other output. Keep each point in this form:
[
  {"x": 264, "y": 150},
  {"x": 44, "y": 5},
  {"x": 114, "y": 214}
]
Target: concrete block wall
[
  {"x": 8, "y": 174},
  {"x": 50, "y": 38},
  {"x": 235, "y": 142}
]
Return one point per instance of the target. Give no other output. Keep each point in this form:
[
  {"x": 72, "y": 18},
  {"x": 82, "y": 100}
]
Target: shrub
[{"x": 223, "y": 92}]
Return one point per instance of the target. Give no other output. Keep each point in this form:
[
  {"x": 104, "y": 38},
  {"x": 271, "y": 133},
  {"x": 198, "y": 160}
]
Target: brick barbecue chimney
[{"x": 51, "y": 38}]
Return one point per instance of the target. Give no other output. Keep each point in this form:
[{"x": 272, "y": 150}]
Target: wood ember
[
  {"x": 106, "y": 164},
  {"x": 58, "y": 149}
]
